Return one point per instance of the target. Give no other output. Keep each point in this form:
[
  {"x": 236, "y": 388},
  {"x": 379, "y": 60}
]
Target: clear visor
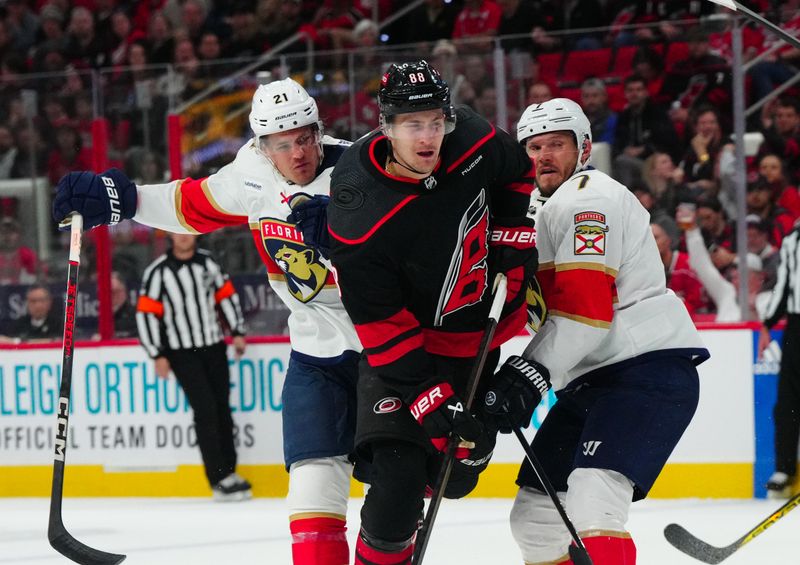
[
  {"x": 416, "y": 126},
  {"x": 283, "y": 144}
]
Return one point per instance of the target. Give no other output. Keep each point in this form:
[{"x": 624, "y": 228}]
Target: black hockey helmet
[{"x": 414, "y": 87}]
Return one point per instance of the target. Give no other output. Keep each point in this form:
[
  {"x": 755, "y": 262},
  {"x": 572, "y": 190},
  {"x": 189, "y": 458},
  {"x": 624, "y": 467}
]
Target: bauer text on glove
[
  {"x": 512, "y": 250},
  {"x": 439, "y": 411},
  {"x": 105, "y": 198}
]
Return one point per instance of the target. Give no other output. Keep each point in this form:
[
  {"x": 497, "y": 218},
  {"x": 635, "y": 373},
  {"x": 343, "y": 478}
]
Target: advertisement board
[{"x": 132, "y": 432}]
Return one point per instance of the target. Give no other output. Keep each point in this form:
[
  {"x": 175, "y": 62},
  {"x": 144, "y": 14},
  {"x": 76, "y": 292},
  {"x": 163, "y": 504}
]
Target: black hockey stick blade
[
  {"x": 69, "y": 547},
  {"x": 683, "y": 541}
]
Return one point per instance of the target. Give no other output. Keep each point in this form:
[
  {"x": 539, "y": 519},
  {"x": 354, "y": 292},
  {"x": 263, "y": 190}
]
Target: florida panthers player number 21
[{"x": 289, "y": 156}]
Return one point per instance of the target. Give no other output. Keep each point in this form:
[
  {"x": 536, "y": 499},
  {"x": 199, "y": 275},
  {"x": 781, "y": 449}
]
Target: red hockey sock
[
  {"x": 366, "y": 555},
  {"x": 319, "y": 540},
  {"x": 615, "y": 549}
]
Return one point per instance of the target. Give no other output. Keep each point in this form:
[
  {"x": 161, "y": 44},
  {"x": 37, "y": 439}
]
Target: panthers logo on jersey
[
  {"x": 537, "y": 309},
  {"x": 301, "y": 266}
]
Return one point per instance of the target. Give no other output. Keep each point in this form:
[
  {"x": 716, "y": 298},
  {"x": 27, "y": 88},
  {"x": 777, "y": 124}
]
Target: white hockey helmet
[
  {"x": 558, "y": 114},
  {"x": 282, "y": 105}
]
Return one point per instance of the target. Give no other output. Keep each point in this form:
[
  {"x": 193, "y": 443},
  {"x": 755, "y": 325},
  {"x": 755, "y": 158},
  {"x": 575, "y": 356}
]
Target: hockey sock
[
  {"x": 609, "y": 548},
  {"x": 368, "y": 555},
  {"x": 319, "y": 540}
]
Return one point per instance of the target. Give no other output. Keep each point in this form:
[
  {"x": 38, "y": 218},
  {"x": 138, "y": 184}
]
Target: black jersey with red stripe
[{"x": 412, "y": 257}]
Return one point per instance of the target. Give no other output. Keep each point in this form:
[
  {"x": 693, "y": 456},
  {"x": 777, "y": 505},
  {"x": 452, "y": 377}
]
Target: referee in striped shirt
[
  {"x": 786, "y": 415},
  {"x": 179, "y": 327}
]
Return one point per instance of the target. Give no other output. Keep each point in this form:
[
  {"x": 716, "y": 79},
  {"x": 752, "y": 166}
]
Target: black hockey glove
[
  {"x": 464, "y": 477},
  {"x": 439, "y": 411},
  {"x": 310, "y": 214},
  {"x": 512, "y": 250},
  {"x": 107, "y": 198},
  {"x": 515, "y": 392}
]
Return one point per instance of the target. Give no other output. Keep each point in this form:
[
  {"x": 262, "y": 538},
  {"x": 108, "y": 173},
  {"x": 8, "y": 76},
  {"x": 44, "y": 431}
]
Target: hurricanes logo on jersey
[
  {"x": 467, "y": 276},
  {"x": 298, "y": 264}
]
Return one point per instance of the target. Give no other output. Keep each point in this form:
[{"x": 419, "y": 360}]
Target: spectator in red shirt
[
  {"x": 702, "y": 78},
  {"x": 479, "y": 19},
  {"x": 649, "y": 64},
  {"x": 719, "y": 234},
  {"x": 773, "y": 171},
  {"x": 18, "y": 264},
  {"x": 782, "y": 135},
  {"x": 119, "y": 40},
  {"x": 332, "y": 18},
  {"x": 681, "y": 278},
  {"x": 67, "y": 155},
  {"x": 761, "y": 203}
]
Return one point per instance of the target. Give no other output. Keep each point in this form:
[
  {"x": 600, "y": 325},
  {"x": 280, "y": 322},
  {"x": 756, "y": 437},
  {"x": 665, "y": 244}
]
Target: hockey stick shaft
[
  {"x": 737, "y": 7},
  {"x": 578, "y": 551},
  {"x": 684, "y": 541},
  {"x": 60, "y": 539},
  {"x": 423, "y": 536}
]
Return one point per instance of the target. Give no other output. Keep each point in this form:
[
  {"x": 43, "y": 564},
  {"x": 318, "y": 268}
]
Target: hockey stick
[
  {"x": 59, "y": 537},
  {"x": 577, "y": 551},
  {"x": 423, "y": 535},
  {"x": 736, "y": 7},
  {"x": 682, "y": 540}
]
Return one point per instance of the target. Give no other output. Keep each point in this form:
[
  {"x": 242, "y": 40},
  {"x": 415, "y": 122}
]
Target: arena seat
[
  {"x": 549, "y": 65},
  {"x": 581, "y": 65},
  {"x": 676, "y": 51},
  {"x": 623, "y": 61}
]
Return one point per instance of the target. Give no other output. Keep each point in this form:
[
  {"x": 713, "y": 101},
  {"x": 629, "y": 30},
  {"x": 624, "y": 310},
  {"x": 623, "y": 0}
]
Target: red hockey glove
[
  {"x": 512, "y": 250},
  {"x": 439, "y": 411}
]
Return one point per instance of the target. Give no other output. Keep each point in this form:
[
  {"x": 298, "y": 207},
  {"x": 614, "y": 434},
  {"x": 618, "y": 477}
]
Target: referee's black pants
[
  {"x": 205, "y": 379},
  {"x": 787, "y": 409}
]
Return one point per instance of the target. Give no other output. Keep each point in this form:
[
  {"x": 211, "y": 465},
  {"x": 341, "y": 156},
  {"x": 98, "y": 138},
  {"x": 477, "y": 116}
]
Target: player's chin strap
[{"x": 393, "y": 159}]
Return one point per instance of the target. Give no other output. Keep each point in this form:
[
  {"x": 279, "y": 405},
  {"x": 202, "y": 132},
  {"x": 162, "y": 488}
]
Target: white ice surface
[{"x": 156, "y": 531}]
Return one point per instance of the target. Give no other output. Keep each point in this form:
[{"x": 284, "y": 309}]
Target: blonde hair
[{"x": 657, "y": 186}]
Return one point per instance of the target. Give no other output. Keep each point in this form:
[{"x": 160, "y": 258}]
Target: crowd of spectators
[{"x": 655, "y": 83}]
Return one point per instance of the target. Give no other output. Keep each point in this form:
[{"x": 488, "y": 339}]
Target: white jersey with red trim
[
  {"x": 250, "y": 190},
  {"x": 603, "y": 282}
]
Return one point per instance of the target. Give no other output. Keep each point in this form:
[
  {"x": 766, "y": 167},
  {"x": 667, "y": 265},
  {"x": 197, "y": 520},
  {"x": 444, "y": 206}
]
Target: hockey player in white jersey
[
  {"x": 289, "y": 155},
  {"x": 618, "y": 348}
]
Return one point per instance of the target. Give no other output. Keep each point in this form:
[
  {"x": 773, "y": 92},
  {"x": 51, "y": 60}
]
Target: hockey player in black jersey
[{"x": 423, "y": 213}]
